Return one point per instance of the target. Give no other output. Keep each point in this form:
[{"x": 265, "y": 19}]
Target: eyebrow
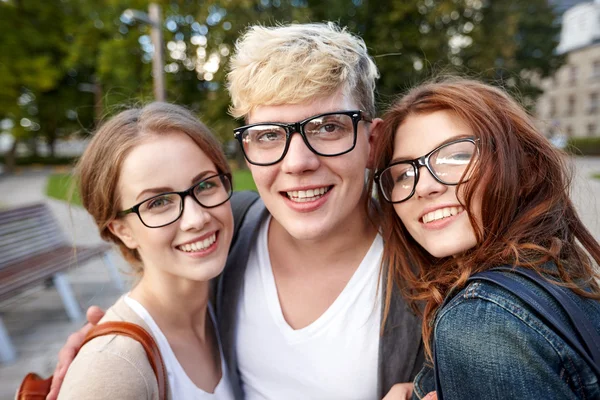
[
  {"x": 398, "y": 159},
  {"x": 163, "y": 189}
]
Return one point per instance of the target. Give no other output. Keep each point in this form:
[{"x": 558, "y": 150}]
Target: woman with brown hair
[
  {"x": 157, "y": 184},
  {"x": 493, "y": 192}
]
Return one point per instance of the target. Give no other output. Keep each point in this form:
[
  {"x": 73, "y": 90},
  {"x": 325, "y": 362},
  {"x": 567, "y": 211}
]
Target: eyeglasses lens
[
  {"x": 167, "y": 208},
  {"x": 449, "y": 163},
  {"x": 327, "y": 135}
]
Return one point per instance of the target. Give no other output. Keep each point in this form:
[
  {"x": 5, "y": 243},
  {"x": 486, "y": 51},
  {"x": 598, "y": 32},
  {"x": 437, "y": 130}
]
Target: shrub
[{"x": 584, "y": 146}]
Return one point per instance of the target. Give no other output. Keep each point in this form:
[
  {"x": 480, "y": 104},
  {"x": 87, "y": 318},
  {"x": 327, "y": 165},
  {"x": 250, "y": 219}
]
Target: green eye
[{"x": 206, "y": 185}]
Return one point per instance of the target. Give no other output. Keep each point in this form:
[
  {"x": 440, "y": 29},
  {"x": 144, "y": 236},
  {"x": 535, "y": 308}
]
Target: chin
[
  {"x": 305, "y": 231},
  {"x": 448, "y": 251}
]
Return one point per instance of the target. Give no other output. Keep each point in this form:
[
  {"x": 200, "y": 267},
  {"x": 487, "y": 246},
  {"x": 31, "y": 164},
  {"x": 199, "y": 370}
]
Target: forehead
[
  {"x": 338, "y": 101},
  {"x": 421, "y": 133},
  {"x": 167, "y": 160}
]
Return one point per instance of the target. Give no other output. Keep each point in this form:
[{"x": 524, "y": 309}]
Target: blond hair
[
  {"x": 295, "y": 63},
  {"x": 100, "y": 165}
]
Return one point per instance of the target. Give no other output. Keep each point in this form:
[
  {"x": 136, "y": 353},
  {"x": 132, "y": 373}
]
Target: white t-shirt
[
  {"x": 180, "y": 385},
  {"x": 335, "y": 357}
]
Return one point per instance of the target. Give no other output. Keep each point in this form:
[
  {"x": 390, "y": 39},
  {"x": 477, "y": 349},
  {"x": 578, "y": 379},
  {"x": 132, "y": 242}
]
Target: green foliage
[
  {"x": 66, "y": 64},
  {"x": 59, "y": 186},
  {"x": 41, "y": 160},
  {"x": 585, "y": 146},
  {"x": 242, "y": 180}
]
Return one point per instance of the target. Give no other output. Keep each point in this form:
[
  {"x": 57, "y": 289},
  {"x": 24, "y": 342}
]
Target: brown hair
[
  {"x": 527, "y": 217},
  {"x": 99, "y": 167}
]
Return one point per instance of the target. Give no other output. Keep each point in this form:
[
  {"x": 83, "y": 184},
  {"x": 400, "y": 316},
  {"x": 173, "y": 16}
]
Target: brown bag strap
[{"x": 139, "y": 334}]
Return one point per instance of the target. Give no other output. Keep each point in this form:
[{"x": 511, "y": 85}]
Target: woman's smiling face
[
  {"x": 195, "y": 246},
  {"x": 434, "y": 216}
]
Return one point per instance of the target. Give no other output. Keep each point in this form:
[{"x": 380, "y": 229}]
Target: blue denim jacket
[{"x": 490, "y": 345}]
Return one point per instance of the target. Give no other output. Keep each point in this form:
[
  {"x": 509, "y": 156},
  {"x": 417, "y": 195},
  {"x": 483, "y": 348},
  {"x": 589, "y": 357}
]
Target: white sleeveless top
[{"x": 180, "y": 385}]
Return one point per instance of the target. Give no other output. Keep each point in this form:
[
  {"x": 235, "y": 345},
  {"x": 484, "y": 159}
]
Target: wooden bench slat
[
  {"x": 17, "y": 277},
  {"x": 23, "y": 235},
  {"x": 28, "y": 224},
  {"x": 34, "y": 249},
  {"x": 16, "y": 214}
]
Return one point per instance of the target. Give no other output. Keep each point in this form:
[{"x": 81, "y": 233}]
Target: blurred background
[{"x": 66, "y": 65}]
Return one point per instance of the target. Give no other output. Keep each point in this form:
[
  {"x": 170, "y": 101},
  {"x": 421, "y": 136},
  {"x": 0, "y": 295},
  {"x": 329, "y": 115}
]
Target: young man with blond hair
[{"x": 300, "y": 301}]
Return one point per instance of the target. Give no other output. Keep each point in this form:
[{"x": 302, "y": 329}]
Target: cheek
[
  {"x": 402, "y": 211},
  {"x": 150, "y": 239},
  {"x": 475, "y": 206},
  {"x": 225, "y": 216},
  {"x": 263, "y": 176}
]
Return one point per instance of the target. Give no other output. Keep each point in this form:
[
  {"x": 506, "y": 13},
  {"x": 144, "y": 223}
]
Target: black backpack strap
[
  {"x": 585, "y": 340},
  {"x": 240, "y": 204}
]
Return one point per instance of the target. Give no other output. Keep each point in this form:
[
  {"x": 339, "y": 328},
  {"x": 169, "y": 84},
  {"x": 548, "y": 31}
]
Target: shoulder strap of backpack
[
  {"x": 585, "y": 340},
  {"x": 139, "y": 334}
]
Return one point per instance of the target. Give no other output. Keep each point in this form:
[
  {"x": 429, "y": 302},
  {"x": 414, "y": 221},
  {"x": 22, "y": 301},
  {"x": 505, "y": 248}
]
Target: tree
[{"x": 65, "y": 64}]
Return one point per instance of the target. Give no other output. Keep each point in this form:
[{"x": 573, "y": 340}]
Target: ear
[
  {"x": 373, "y": 137},
  {"x": 121, "y": 229}
]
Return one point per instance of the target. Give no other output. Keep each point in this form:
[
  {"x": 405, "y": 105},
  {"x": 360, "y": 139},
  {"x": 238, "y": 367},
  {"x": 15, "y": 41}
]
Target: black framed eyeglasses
[
  {"x": 448, "y": 164},
  {"x": 166, "y": 208},
  {"x": 329, "y": 135}
]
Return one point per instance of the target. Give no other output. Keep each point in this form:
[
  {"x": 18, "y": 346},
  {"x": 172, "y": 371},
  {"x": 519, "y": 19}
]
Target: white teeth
[
  {"x": 302, "y": 196},
  {"x": 441, "y": 213},
  {"x": 199, "y": 245}
]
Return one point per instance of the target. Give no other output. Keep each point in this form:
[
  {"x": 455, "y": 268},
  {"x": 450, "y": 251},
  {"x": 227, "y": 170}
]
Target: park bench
[{"x": 34, "y": 251}]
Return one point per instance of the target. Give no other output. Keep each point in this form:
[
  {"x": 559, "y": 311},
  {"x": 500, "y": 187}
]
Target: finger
[
  {"x": 430, "y": 396},
  {"x": 52, "y": 394},
  {"x": 54, "y": 388},
  {"x": 70, "y": 349},
  {"x": 94, "y": 314},
  {"x": 65, "y": 358},
  {"x": 400, "y": 391}
]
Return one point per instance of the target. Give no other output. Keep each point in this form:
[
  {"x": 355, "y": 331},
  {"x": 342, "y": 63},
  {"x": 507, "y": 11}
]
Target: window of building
[
  {"x": 591, "y": 129},
  {"x": 593, "y": 108},
  {"x": 571, "y": 105},
  {"x": 552, "y": 107},
  {"x": 596, "y": 69},
  {"x": 569, "y": 131},
  {"x": 573, "y": 71}
]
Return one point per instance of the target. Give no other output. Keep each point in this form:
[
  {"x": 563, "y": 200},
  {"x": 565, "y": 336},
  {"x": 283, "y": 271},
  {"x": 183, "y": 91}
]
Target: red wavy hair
[{"x": 527, "y": 217}]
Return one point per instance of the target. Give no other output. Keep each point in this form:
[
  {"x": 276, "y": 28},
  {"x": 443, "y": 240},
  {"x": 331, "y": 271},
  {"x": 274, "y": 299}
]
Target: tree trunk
[
  {"x": 10, "y": 159},
  {"x": 239, "y": 158},
  {"x": 51, "y": 144}
]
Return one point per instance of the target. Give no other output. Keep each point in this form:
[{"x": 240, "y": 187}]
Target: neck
[
  {"x": 175, "y": 303},
  {"x": 353, "y": 237}
]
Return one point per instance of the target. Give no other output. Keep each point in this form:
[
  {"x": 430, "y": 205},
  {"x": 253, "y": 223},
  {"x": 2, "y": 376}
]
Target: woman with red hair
[{"x": 493, "y": 193}]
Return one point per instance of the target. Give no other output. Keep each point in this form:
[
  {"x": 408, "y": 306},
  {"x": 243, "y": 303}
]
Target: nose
[
  {"x": 428, "y": 186},
  {"x": 194, "y": 216},
  {"x": 299, "y": 158}
]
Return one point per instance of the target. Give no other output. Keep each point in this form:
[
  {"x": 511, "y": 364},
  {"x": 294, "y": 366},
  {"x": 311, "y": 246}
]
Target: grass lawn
[
  {"x": 596, "y": 176},
  {"x": 242, "y": 180},
  {"x": 58, "y": 185}
]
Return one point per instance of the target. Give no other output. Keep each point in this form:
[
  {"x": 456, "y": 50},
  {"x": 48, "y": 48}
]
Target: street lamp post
[
  {"x": 158, "y": 71},
  {"x": 154, "y": 19}
]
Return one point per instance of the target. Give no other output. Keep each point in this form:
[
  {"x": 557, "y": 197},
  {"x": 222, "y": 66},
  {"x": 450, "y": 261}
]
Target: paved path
[
  {"x": 586, "y": 192},
  {"x": 36, "y": 320}
]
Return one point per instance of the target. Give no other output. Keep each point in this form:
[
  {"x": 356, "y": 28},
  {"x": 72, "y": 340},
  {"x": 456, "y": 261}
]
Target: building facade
[{"x": 570, "y": 104}]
